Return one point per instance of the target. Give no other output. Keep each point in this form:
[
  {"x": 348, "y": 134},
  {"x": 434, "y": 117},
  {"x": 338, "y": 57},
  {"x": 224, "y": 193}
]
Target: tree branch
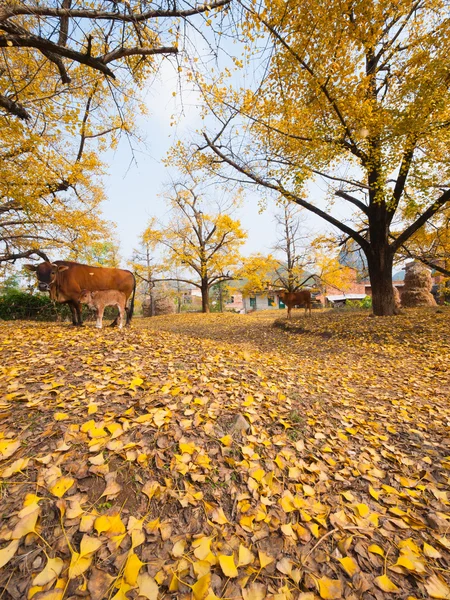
[
  {"x": 288, "y": 195},
  {"x": 431, "y": 210},
  {"x": 121, "y": 52},
  {"x": 14, "y": 108},
  {"x": 45, "y": 46},
  {"x": 27, "y": 254},
  {"x": 45, "y": 11},
  {"x": 353, "y": 200},
  {"x": 427, "y": 262}
]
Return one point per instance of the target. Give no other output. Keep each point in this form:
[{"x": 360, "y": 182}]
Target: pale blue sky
[{"x": 133, "y": 190}]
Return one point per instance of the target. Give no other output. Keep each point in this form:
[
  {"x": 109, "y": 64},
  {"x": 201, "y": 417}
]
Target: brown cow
[
  {"x": 103, "y": 298},
  {"x": 291, "y": 299},
  {"x": 65, "y": 280}
]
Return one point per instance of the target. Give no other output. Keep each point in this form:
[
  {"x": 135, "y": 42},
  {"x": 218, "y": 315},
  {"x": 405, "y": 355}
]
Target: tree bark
[
  {"x": 380, "y": 262},
  {"x": 205, "y": 296}
]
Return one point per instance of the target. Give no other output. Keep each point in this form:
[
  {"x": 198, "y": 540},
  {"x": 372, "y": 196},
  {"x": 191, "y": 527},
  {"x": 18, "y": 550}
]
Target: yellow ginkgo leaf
[
  {"x": 132, "y": 568},
  {"x": 188, "y": 448},
  {"x": 374, "y": 493},
  {"x": 89, "y": 545},
  {"x": 137, "y": 381},
  {"x": 202, "y": 547},
  {"x": 56, "y": 594},
  {"x": 110, "y": 524},
  {"x": 147, "y": 586},
  {"x": 349, "y": 565},
  {"x": 201, "y": 587},
  {"x": 285, "y": 565},
  {"x": 385, "y": 584},
  {"x": 60, "y": 487},
  {"x": 60, "y": 416},
  {"x": 376, "y": 549},
  {"x": 27, "y": 523},
  {"x": 329, "y": 589},
  {"x": 226, "y": 440},
  {"x": 7, "y": 448},
  {"x": 264, "y": 559},
  {"x": 16, "y": 467},
  {"x": 245, "y": 557},
  {"x": 179, "y": 548},
  {"x": 362, "y": 509},
  {"x": 219, "y": 517},
  {"x": 8, "y": 552},
  {"x": 50, "y": 572},
  {"x": 348, "y": 496},
  {"x": 255, "y": 591},
  {"x": 430, "y": 551},
  {"x": 78, "y": 565},
  {"x": 122, "y": 591},
  {"x": 227, "y": 565}
]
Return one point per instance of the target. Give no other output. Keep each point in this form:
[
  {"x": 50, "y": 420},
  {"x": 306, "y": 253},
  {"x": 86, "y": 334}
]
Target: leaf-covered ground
[{"x": 220, "y": 456}]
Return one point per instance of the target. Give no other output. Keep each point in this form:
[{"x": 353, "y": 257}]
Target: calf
[
  {"x": 291, "y": 299},
  {"x": 101, "y": 298}
]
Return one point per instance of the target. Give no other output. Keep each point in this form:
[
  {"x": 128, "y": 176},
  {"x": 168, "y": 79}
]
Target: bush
[
  {"x": 15, "y": 304},
  {"x": 365, "y": 303}
]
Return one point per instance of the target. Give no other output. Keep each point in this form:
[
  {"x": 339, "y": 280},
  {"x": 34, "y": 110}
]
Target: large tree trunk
[
  {"x": 205, "y": 296},
  {"x": 380, "y": 262}
]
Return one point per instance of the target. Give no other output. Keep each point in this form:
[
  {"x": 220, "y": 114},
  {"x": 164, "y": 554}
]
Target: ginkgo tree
[
  {"x": 50, "y": 189},
  {"x": 71, "y": 73},
  {"x": 119, "y": 43},
  {"x": 200, "y": 240},
  {"x": 354, "y": 93}
]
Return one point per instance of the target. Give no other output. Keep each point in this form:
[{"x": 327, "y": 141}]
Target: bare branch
[
  {"x": 287, "y": 194},
  {"x": 46, "y": 11},
  {"x": 14, "y": 108}
]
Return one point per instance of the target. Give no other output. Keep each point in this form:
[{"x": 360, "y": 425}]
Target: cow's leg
[
  {"x": 115, "y": 322},
  {"x": 100, "y": 310},
  {"x": 289, "y": 308},
  {"x": 121, "y": 314},
  {"x": 74, "y": 313},
  {"x": 78, "y": 308}
]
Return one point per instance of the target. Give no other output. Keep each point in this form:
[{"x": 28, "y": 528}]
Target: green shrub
[
  {"x": 364, "y": 303},
  {"x": 16, "y": 304}
]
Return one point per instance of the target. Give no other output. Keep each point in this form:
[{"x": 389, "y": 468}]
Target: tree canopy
[
  {"x": 70, "y": 75},
  {"x": 356, "y": 94},
  {"x": 200, "y": 240}
]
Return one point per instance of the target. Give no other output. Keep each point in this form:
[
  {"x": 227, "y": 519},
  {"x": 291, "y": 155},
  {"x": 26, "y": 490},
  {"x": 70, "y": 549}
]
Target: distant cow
[
  {"x": 103, "y": 298},
  {"x": 65, "y": 281},
  {"x": 291, "y": 299}
]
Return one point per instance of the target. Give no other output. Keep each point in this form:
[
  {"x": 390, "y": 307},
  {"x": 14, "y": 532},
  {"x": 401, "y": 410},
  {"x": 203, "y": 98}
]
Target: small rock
[{"x": 240, "y": 424}]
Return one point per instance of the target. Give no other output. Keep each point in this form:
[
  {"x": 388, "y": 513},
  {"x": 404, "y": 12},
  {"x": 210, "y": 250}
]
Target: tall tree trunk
[
  {"x": 380, "y": 261},
  {"x": 205, "y": 296}
]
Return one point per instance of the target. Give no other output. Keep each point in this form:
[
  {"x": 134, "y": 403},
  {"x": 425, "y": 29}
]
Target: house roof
[
  {"x": 336, "y": 298},
  {"x": 399, "y": 276}
]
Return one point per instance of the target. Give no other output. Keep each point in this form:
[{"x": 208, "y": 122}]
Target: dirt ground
[{"x": 227, "y": 456}]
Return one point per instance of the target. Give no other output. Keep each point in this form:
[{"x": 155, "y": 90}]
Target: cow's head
[
  {"x": 86, "y": 296},
  {"x": 46, "y": 274}
]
